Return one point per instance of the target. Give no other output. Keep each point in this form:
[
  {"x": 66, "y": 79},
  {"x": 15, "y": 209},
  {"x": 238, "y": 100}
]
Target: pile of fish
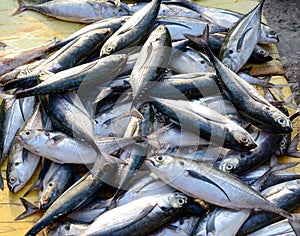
[{"x": 145, "y": 122}]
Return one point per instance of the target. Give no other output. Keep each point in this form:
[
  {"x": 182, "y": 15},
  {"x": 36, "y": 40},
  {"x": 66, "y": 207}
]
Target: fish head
[
  {"x": 15, "y": 179},
  {"x": 294, "y": 185},
  {"x": 268, "y": 35},
  {"x": 229, "y": 164},
  {"x": 48, "y": 196},
  {"x": 178, "y": 200},
  {"x": 282, "y": 122},
  {"x": 33, "y": 137},
  {"x": 244, "y": 139},
  {"x": 158, "y": 161},
  {"x": 231, "y": 59},
  {"x": 108, "y": 49}
]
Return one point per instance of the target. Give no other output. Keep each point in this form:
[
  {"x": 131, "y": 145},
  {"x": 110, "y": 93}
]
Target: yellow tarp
[{"x": 32, "y": 29}]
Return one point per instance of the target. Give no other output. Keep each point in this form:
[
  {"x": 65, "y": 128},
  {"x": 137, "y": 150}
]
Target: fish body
[
  {"x": 150, "y": 212},
  {"x": 250, "y": 103},
  {"x": 241, "y": 39},
  {"x": 85, "y": 11},
  {"x": 14, "y": 60},
  {"x": 213, "y": 185},
  {"x": 207, "y": 123},
  {"x": 57, "y": 179},
  {"x": 80, "y": 193},
  {"x": 21, "y": 162},
  {"x": 153, "y": 58},
  {"x": 133, "y": 30}
]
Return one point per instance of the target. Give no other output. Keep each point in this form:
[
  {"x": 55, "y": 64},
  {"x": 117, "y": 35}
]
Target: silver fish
[
  {"x": 241, "y": 40},
  {"x": 213, "y": 186},
  {"x": 133, "y": 30},
  {"x": 149, "y": 212},
  {"x": 84, "y": 11}
]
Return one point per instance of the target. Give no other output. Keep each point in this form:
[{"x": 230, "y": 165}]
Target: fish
[
  {"x": 66, "y": 228},
  {"x": 77, "y": 195},
  {"x": 213, "y": 186},
  {"x": 57, "y": 179},
  {"x": 241, "y": 40},
  {"x": 205, "y": 123},
  {"x": 241, "y": 162},
  {"x": 150, "y": 212},
  {"x": 88, "y": 74},
  {"x": 22, "y": 163},
  {"x": 279, "y": 228},
  {"x": 62, "y": 148},
  {"x": 67, "y": 57},
  {"x": 133, "y": 30},
  {"x": 189, "y": 60},
  {"x": 13, "y": 60},
  {"x": 153, "y": 59},
  {"x": 247, "y": 99},
  {"x": 85, "y": 11},
  {"x": 284, "y": 195},
  {"x": 259, "y": 54},
  {"x": 226, "y": 18},
  {"x": 178, "y": 26}
]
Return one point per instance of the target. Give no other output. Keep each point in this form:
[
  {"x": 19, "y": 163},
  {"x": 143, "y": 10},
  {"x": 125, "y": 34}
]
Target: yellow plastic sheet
[{"x": 31, "y": 29}]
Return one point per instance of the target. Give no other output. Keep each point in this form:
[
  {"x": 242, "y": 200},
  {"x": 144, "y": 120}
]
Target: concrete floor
[{"x": 284, "y": 17}]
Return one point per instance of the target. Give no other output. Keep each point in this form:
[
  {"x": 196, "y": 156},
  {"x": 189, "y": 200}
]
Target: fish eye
[
  {"x": 272, "y": 32},
  {"x": 282, "y": 144},
  {"x": 244, "y": 139},
  {"x": 230, "y": 51},
  {"x": 281, "y": 121},
  {"x": 180, "y": 201},
  {"x": 202, "y": 62},
  {"x": 12, "y": 180},
  {"x": 109, "y": 49},
  {"x": 229, "y": 166},
  {"x": 27, "y": 132},
  {"x": 159, "y": 158}
]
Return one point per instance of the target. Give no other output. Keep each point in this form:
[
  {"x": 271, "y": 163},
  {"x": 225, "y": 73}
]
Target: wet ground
[{"x": 284, "y": 17}]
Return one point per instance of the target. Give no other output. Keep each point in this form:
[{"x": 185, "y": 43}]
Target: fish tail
[
  {"x": 22, "y": 7},
  {"x": 294, "y": 220},
  {"x": 9, "y": 99},
  {"x": 29, "y": 209}
]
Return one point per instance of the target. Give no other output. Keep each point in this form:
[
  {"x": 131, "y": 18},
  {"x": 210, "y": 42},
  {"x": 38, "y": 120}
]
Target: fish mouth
[
  {"x": 288, "y": 129},
  {"x": 150, "y": 161}
]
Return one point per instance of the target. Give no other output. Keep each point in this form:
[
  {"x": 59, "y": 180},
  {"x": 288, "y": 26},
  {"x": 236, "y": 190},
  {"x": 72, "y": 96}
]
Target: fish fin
[
  {"x": 292, "y": 148},
  {"x": 111, "y": 159},
  {"x": 21, "y": 8},
  {"x": 58, "y": 138},
  {"x": 241, "y": 40},
  {"x": 135, "y": 113},
  {"x": 35, "y": 185},
  {"x": 29, "y": 209},
  {"x": 205, "y": 179},
  {"x": 294, "y": 221},
  {"x": 152, "y": 138}
]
